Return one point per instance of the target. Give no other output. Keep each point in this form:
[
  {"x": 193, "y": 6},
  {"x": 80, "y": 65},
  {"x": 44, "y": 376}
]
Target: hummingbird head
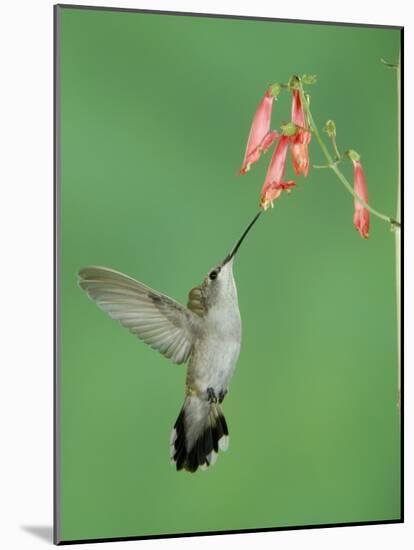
[{"x": 219, "y": 283}]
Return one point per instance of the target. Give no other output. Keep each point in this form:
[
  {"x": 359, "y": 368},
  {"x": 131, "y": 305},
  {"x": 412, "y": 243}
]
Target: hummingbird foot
[
  {"x": 222, "y": 395},
  {"x": 211, "y": 396}
]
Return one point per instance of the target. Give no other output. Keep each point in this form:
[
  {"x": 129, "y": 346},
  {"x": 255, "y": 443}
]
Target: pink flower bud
[
  {"x": 260, "y": 137},
  {"x": 274, "y": 184},
  {"x": 361, "y": 214}
]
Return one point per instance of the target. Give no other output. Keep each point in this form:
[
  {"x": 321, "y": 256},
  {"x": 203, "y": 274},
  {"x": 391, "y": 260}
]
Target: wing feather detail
[{"x": 158, "y": 320}]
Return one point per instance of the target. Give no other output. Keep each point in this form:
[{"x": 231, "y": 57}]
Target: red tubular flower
[
  {"x": 298, "y": 116},
  {"x": 260, "y": 137},
  {"x": 361, "y": 214},
  {"x": 300, "y": 141},
  {"x": 299, "y": 150},
  {"x": 274, "y": 184}
]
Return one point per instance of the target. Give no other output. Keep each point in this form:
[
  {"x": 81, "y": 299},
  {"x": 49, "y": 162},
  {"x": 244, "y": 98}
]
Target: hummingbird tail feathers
[{"x": 199, "y": 432}]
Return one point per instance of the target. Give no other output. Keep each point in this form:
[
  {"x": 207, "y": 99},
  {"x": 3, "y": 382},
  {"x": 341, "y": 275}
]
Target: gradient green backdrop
[{"x": 155, "y": 112}]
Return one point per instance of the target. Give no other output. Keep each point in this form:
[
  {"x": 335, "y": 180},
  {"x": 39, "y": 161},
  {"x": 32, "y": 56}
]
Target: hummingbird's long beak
[{"x": 237, "y": 245}]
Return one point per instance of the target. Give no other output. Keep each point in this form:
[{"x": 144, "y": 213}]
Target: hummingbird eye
[{"x": 213, "y": 275}]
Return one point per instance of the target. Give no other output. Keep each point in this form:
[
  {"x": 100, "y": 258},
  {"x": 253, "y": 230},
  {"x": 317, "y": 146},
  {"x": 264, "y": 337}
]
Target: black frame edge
[
  {"x": 231, "y": 532},
  {"x": 401, "y": 160}
]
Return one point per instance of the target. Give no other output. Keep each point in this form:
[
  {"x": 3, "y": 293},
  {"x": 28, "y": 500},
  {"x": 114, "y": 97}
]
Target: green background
[{"x": 155, "y": 113}]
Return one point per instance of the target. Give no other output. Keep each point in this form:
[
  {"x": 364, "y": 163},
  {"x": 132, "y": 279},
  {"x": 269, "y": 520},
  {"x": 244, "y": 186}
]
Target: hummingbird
[{"x": 206, "y": 334}]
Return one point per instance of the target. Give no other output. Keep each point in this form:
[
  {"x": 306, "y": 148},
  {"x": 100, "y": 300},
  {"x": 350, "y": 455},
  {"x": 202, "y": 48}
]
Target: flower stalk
[
  {"x": 395, "y": 224},
  {"x": 297, "y": 133},
  {"x": 397, "y": 234},
  {"x": 334, "y": 165}
]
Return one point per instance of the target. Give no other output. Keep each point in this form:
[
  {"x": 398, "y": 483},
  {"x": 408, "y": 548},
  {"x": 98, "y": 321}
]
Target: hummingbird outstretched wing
[{"x": 158, "y": 320}]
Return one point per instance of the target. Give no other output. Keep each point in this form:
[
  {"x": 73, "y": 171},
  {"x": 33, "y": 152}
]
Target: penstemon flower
[
  {"x": 361, "y": 214},
  {"x": 300, "y": 140},
  {"x": 260, "y": 137},
  {"x": 274, "y": 184}
]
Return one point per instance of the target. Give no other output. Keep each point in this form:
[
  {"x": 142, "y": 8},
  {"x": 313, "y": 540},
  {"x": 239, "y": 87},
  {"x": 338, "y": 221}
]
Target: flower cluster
[
  {"x": 297, "y": 135},
  {"x": 261, "y": 138}
]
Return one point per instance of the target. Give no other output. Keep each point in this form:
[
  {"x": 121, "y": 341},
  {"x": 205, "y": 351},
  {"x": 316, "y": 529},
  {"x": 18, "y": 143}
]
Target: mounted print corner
[{"x": 228, "y": 284}]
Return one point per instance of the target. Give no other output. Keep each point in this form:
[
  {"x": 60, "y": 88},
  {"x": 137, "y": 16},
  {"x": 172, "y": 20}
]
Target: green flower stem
[
  {"x": 334, "y": 167},
  {"x": 335, "y": 148},
  {"x": 321, "y": 166}
]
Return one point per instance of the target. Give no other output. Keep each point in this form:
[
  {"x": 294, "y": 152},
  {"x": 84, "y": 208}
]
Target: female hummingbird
[{"x": 206, "y": 334}]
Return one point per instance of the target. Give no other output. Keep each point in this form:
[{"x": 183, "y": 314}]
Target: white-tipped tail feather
[{"x": 198, "y": 434}]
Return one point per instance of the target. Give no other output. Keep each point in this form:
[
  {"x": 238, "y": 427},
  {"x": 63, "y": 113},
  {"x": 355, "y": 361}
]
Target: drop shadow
[{"x": 44, "y": 532}]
